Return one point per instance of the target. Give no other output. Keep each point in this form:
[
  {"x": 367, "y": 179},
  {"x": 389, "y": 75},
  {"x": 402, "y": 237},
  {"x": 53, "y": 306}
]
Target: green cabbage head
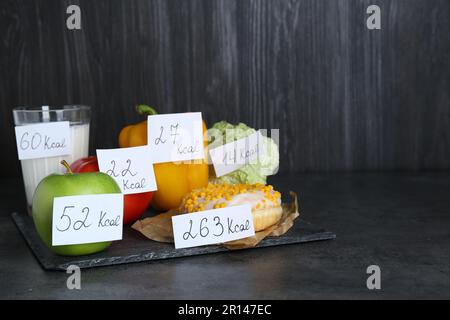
[{"x": 249, "y": 173}]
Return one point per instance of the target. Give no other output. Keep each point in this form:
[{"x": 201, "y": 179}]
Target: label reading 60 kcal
[{"x": 43, "y": 140}]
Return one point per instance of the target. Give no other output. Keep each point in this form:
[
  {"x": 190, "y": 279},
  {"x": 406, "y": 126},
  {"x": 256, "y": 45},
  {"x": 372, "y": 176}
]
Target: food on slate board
[
  {"x": 264, "y": 200},
  {"x": 134, "y": 205},
  {"x": 250, "y": 173},
  {"x": 174, "y": 180},
  {"x": 69, "y": 184}
]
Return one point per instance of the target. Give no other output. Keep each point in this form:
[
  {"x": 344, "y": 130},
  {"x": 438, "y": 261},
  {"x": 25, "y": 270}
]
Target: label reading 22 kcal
[
  {"x": 132, "y": 168},
  {"x": 212, "y": 226}
]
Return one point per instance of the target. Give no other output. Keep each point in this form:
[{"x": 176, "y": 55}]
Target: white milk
[{"x": 34, "y": 170}]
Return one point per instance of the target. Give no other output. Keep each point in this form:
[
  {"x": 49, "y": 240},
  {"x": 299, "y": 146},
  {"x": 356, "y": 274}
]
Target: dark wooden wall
[{"x": 344, "y": 97}]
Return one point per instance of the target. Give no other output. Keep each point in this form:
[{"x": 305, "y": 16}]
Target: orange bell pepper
[{"x": 174, "y": 180}]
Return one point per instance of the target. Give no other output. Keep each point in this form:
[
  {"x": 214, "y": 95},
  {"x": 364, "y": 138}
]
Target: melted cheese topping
[{"x": 214, "y": 196}]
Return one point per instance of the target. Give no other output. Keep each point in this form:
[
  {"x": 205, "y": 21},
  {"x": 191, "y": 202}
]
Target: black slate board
[{"x": 136, "y": 248}]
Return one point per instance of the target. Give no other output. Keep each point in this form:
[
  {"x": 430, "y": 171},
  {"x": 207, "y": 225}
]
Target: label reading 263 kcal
[
  {"x": 87, "y": 219},
  {"x": 212, "y": 226}
]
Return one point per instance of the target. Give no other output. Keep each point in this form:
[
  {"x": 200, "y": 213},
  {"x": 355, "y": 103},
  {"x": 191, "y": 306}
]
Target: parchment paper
[{"x": 159, "y": 228}]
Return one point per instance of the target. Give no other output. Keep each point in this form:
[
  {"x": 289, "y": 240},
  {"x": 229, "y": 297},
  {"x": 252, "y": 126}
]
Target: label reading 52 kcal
[
  {"x": 87, "y": 219},
  {"x": 212, "y": 226}
]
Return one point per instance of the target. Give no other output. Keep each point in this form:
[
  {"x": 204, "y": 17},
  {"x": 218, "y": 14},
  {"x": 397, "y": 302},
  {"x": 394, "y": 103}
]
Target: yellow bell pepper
[{"x": 174, "y": 180}]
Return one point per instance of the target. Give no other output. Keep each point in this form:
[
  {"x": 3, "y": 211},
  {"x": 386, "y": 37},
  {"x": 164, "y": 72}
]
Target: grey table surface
[{"x": 398, "y": 221}]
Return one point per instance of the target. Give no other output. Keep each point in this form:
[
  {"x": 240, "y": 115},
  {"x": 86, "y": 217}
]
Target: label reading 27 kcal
[{"x": 175, "y": 137}]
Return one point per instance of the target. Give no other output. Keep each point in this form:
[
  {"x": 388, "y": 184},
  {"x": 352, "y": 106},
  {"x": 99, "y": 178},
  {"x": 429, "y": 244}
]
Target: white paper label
[
  {"x": 43, "y": 140},
  {"x": 132, "y": 168},
  {"x": 87, "y": 218},
  {"x": 233, "y": 155},
  {"x": 212, "y": 226},
  {"x": 176, "y": 137}
]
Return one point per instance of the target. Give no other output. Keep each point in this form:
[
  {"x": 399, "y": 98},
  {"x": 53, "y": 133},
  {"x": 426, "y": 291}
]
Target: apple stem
[{"x": 65, "y": 164}]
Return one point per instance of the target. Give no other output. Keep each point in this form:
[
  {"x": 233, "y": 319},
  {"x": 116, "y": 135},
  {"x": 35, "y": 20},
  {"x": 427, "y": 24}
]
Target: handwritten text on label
[
  {"x": 233, "y": 155},
  {"x": 87, "y": 219},
  {"x": 175, "y": 137},
  {"x": 132, "y": 168},
  {"x": 43, "y": 140},
  {"x": 212, "y": 226}
]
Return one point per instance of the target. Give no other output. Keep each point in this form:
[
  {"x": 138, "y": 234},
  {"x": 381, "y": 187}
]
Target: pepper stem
[
  {"x": 65, "y": 164},
  {"x": 145, "y": 110}
]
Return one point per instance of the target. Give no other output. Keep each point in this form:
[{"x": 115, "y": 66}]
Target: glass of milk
[{"x": 34, "y": 170}]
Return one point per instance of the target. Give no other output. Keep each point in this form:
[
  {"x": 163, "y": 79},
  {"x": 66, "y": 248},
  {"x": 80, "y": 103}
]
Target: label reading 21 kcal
[
  {"x": 175, "y": 137},
  {"x": 87, "y": 219},
  {"x": 212, "y": 226}
]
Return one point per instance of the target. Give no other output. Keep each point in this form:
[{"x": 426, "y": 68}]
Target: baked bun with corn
[{"x": 263, "y": 199}]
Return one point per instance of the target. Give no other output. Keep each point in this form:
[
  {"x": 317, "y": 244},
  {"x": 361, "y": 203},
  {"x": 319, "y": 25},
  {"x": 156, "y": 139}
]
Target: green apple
[{"x": 69, "y": 184}]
